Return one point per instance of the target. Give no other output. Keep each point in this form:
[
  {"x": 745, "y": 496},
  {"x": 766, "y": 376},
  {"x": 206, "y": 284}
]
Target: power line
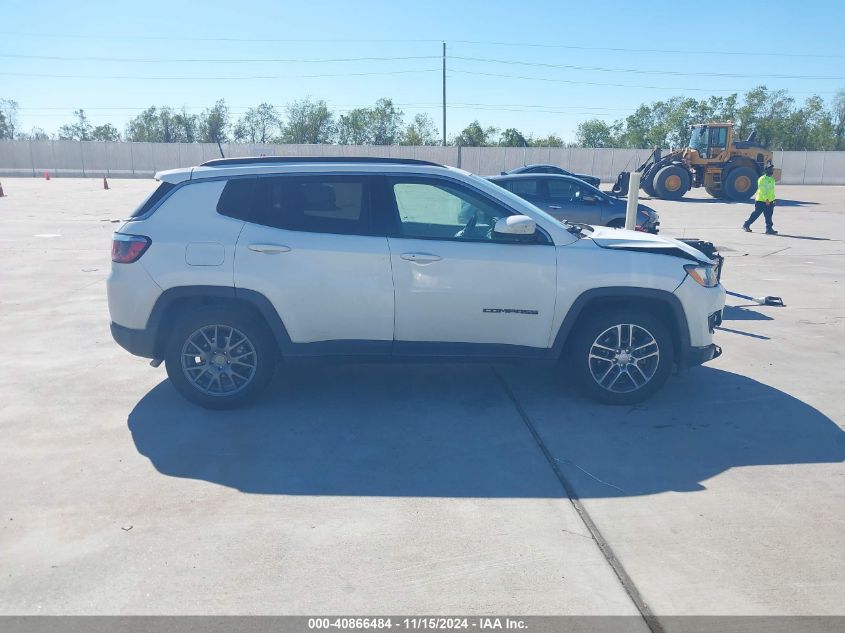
[
  {"x": 648, "y": 50},
  {"x": 219, "y": 61},
  {"x": 181, "y": 38},
  {"x": 597, "y": 83},
  {"x": 542, "y": 45},
  {"x": 641, "y": 71},
  {"x": 241, "y": 77}
]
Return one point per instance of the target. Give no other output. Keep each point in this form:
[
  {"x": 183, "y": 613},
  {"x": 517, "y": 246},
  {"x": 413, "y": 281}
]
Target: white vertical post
[{"x": 633, "y": 199}]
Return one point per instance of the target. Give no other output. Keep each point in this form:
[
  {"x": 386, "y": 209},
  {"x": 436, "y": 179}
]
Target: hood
[{"x": 607, "y": 237}]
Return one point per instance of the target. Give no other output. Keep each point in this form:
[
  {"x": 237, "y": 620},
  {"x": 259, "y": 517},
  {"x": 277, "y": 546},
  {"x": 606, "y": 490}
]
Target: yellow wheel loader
[{"x": 713, "y": 160}]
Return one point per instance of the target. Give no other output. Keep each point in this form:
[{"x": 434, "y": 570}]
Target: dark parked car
[
  {"x": 553, "y": 169},
  {"x": 569, "y": 198}
]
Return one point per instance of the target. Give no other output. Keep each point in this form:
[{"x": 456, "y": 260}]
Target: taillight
[{"x": 126, "y": 249}]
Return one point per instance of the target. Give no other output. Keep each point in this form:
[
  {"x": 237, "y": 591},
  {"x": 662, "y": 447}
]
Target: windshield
[
  {"x": 514, "y": 200},
  {"x": 698, "y": 140}
]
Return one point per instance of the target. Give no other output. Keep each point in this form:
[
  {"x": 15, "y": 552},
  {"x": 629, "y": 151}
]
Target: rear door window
[
  {"x": 238, "y": 200},
  {"x": 561, "y": 190},
  {"x": 316, "y": 204},
  {"x": 524, "y": 186}
]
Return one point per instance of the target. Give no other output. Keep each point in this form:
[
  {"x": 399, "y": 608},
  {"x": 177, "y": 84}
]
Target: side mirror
[
  {"x": 588, "y": 199},
  {"x": 515, "y": 225}
]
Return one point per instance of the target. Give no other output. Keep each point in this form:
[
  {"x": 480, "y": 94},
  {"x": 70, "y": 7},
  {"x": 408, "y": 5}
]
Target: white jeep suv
[{"x": 233, "y": 266}]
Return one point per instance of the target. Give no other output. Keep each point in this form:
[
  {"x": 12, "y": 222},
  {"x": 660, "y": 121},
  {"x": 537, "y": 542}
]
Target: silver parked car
[{"x": 568, "y": 198}]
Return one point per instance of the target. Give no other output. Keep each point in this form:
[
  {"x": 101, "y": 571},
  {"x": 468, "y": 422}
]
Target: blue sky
[{"x": 42, "y": 39}]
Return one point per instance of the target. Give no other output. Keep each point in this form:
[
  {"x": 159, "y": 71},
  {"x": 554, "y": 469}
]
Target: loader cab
[{"x": 711, "y": 141}]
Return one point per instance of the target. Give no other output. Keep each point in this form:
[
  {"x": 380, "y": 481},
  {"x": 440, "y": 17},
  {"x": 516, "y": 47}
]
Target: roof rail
[{"x": 258, "y": 160}]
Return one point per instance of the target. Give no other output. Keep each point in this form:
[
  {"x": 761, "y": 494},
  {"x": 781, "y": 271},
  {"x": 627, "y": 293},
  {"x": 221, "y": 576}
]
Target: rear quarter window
[{"x": 153, "y": 199}]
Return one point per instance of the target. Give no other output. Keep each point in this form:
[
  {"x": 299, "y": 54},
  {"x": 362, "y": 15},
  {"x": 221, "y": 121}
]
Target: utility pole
[{"x": 444, "y": 94}]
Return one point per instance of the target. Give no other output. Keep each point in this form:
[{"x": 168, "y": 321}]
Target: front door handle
[
  {"x": 555, "y": 206},
  {"x": 421, "y": 258},
  {"x": 269, "y": 249}
]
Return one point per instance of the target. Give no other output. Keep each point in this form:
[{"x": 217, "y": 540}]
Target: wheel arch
[
  {"x": 661, "y": 302},
  {"x": 741, "y": 161},
  {"x": 175, "y": 301}
]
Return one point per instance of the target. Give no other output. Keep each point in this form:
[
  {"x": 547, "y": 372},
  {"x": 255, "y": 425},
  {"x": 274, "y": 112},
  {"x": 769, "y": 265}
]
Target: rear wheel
[
  {"x": 621, "y": 356},
  {"x": 220, "y": 358},
  {"x": 740, "y": 183},
  {"x": 672, "y": 182}
]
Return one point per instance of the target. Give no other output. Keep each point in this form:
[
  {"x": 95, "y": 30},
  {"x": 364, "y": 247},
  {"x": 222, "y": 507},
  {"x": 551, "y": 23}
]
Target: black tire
[
  {"x": 716, "y": 193},
  {"x": 601, "y": 328},
  {"x": 671, "y": 182},
  {"x": 740, "y": 183},
  {"x": 240, "y": 373},
  {"x": 647, "y": 184}
]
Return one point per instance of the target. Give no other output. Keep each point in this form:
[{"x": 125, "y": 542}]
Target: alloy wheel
[
  {"x": 219, "y": 360},
  {"x": 624, "y": 358}
]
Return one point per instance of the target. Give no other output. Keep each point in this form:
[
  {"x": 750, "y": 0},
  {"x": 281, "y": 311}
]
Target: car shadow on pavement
[
  {"x": 453, "y": 431},
  {"x": 741, "y": 313},
  {"x": 750, "y": 202}
]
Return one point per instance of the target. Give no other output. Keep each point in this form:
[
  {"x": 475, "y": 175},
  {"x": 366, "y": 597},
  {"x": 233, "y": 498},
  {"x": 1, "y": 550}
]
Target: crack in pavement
[{"x": 628, "y": 585}]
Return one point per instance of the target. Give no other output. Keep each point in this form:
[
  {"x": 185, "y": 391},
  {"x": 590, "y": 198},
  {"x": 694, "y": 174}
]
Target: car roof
[
  {"x": 532, "y": 176},
  {"x": 229, "y": 167}
]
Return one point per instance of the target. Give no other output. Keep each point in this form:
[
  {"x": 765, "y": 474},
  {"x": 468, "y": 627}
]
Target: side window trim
[{"x": 395, "y": 228}]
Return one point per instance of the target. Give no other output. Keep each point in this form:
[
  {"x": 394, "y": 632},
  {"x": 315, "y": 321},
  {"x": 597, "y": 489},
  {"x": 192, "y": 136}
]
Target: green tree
[
  {"x": 185, "y": 126},
  {"x": 35, "y": 134},
  {"x": 379, "y": 125},
  {"x": 145, "y": 127},
  {"x": 258, "y": 125},
  {"x": 473, "y": 135},
  {"x": 420, "y": 131},
  {"x": 106, "y": 132},
  {"x": 385, "y": 123},
  {"x": 512, "y": 137},
  {"x": 308, "y": 122},
  {"x": 552, "y": 140},
  {"x": 80, "y": 130},
  {"x": 213, "y": 124},
  {"x": 8, "y": 118},
  {"x": 595, "y": 133},
  {"x": 353, "y": 128}
]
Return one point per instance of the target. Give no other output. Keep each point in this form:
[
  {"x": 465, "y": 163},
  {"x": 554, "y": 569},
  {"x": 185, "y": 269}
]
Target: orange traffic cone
[
  {"x": 2, "y": 195},
  {"x": 46, "y": 175},
  {"x": 105, "y": 183}
]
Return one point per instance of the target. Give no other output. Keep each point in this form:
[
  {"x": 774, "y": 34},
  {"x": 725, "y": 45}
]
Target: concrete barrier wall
[{"x": 142, "y": 160}]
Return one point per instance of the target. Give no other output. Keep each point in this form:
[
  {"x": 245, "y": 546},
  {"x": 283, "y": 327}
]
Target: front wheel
[
  {"x": 672, "y": 182},
  {"x": 621, "y": 356},
  {"x": 647, "y": 184},
  {"x": 220, "y": 358},
  {"x": 740, "y": 183}
]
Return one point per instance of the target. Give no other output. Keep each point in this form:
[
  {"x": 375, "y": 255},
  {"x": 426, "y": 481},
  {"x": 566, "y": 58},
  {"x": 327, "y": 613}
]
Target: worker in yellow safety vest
[{"x": 765, "y": 203}]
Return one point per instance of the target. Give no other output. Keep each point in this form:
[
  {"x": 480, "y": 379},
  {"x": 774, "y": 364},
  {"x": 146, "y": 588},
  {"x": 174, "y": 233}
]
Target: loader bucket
[{"x": 620, "y": 187}]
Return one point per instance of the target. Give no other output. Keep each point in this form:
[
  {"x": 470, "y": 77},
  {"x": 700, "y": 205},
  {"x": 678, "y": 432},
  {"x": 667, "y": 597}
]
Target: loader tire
[
  {"x": 647, "y": 184},
  {"x": 740, "y": 183},
  {"x": 672, "y": 182}
]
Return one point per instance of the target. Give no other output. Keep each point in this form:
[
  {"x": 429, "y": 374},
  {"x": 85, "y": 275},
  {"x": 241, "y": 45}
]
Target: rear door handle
[
  {"x": 421, "y": 258},
  {"x": 269, "y": 249},
  {"x": 555, "y": 206}
]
